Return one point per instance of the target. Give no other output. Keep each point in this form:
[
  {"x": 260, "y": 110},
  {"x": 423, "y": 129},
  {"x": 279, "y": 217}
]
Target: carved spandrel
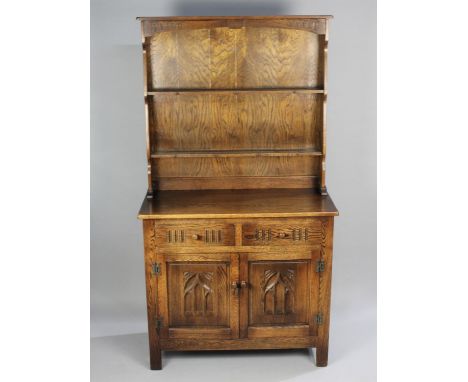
[{"x": 278, "y": 292}]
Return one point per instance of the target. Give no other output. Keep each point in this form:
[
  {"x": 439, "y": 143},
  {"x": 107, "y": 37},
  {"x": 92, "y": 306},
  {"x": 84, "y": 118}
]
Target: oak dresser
[{"x": 237, "y": 220}]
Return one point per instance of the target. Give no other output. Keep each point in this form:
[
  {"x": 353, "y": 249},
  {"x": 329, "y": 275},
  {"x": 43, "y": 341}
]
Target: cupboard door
[
  {"x": 196, "y": 298},
  {"x": 281, "y": 294}
]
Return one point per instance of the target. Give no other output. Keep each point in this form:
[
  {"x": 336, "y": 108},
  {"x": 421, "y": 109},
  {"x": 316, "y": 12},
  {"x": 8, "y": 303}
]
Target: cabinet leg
[
  {"x": 155, "y": 350},
  {"x": 321, "y": 356},
  {"x": 155, "y": 359}
]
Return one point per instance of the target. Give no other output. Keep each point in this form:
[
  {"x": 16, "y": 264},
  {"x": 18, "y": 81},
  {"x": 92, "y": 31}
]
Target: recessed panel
[
  {"x": 246, "y": 57},
  {"x": 244, "y": 120},
  {"x": 230, "y": 167},
  {"x": 198, "y": 294},
  {"x": 278, "y": 293}
]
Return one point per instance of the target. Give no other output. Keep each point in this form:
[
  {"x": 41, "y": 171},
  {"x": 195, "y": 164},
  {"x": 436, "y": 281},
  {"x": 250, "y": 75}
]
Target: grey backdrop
[{"x": 118, "y": 175}]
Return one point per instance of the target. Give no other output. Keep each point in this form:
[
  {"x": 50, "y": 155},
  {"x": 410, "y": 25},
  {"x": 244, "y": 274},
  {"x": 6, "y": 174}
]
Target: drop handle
[
  {"x": 243, "y": 284},
  {"x": 235, "y": 288}
]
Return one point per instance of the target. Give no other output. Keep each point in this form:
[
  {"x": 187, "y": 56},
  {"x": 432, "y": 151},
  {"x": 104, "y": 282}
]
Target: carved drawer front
[
  {"x": 194, "y": 234},
  {"x": 288, "y": 233}
]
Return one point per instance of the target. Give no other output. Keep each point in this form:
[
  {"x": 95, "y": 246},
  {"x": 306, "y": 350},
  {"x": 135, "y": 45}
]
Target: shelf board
[
  {"x": 237, "y": 153},
  {"x": 231, "y": 91}
]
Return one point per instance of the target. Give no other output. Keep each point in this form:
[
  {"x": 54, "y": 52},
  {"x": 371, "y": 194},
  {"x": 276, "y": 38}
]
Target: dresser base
[
  {"x": 321, "y": 352},
  {"x": 214, "y": 279}
]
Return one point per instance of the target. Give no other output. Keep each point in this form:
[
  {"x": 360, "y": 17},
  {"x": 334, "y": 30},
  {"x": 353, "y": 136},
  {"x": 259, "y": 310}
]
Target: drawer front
[
  {"x": 291, "y": 232},
  {"x": 195, "y": 234}
]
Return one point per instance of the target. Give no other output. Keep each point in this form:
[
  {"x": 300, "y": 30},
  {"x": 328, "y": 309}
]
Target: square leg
[
  {"x": 155, "y": 359},
  {"x": 321, "y": 356}
]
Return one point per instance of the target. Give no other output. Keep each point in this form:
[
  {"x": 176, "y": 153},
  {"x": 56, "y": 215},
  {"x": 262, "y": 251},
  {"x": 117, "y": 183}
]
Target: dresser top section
[{"x": 237, "y": 204}]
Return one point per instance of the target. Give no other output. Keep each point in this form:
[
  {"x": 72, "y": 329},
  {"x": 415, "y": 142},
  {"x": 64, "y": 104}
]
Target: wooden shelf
[
  {"x": 236, "y": 204},
  {"x": 230, "y": 91},
  {"x": 237, "y": 153}
]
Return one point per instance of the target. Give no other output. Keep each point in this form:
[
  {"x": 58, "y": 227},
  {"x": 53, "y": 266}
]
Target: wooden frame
[{"x": 238, "y": 224}]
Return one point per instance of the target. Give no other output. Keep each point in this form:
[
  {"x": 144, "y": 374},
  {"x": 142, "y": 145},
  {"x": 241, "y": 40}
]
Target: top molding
[
  {"x": 174, "y": 18},
  {"x": 152, "y": 25}
]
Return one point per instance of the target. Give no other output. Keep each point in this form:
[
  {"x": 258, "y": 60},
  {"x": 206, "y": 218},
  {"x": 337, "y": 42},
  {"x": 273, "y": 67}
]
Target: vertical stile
[
  {"x": 323, "y": 187},
  {"x": 145, "y": 47}
]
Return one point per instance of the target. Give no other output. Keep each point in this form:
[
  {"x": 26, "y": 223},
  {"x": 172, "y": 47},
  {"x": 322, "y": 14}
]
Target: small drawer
[
  {"x": 193, "y": 234},
  {"x": 300, "y": 232}
]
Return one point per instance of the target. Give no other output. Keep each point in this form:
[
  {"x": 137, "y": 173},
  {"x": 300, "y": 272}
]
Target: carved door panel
[
  {"x": 195, "y": 297},
  {"x": 281, "y": 294}
]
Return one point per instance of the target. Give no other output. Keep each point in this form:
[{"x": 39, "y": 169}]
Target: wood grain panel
[
  {"x": 198, "y": 294},
  {"x": 152, "y": 303},
  {"x": 234, "y": 297},
  {"x": 237, "y": 183},
  {"x": 223, "y": 42},
  {"x": 225, "y": 204},
  {"x": 163, "y": 61},
  {"x": 238, "y": 344},
  {"x": 200, "y": 333},
  {"x": 247, "y": 120},
  {"x": 279, "y": 293},
  {"x": 244, "y": 295},
  {"x": 325, "y": 292},
  {"x": 193, "y": 65},
  {"x": 278, "y": 57},
  {"x": 244, "y": 57},
  {"x": 278, "y": 331},
  {"x": 162, "y": 301},
  {"x": 236, "y": 153},
  {"x": 280, "y": 120},
  {"x": 219, "y": 167}
]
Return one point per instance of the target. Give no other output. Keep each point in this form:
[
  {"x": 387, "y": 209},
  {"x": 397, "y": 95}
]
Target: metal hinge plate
[
  {"x": 156, "y": 269},
  {"x": 159, "y": 322},
  {"x": 319, "y": 319},
  {"x": 320, "y": 266}
]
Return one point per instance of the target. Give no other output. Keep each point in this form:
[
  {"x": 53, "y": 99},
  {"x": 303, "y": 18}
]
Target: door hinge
[
  {"x": 320, "y": 266},
  {"x": 159, "y": 322},
  {"x": 155, "y": 269},
  {"x": 319, "y": 319}
]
